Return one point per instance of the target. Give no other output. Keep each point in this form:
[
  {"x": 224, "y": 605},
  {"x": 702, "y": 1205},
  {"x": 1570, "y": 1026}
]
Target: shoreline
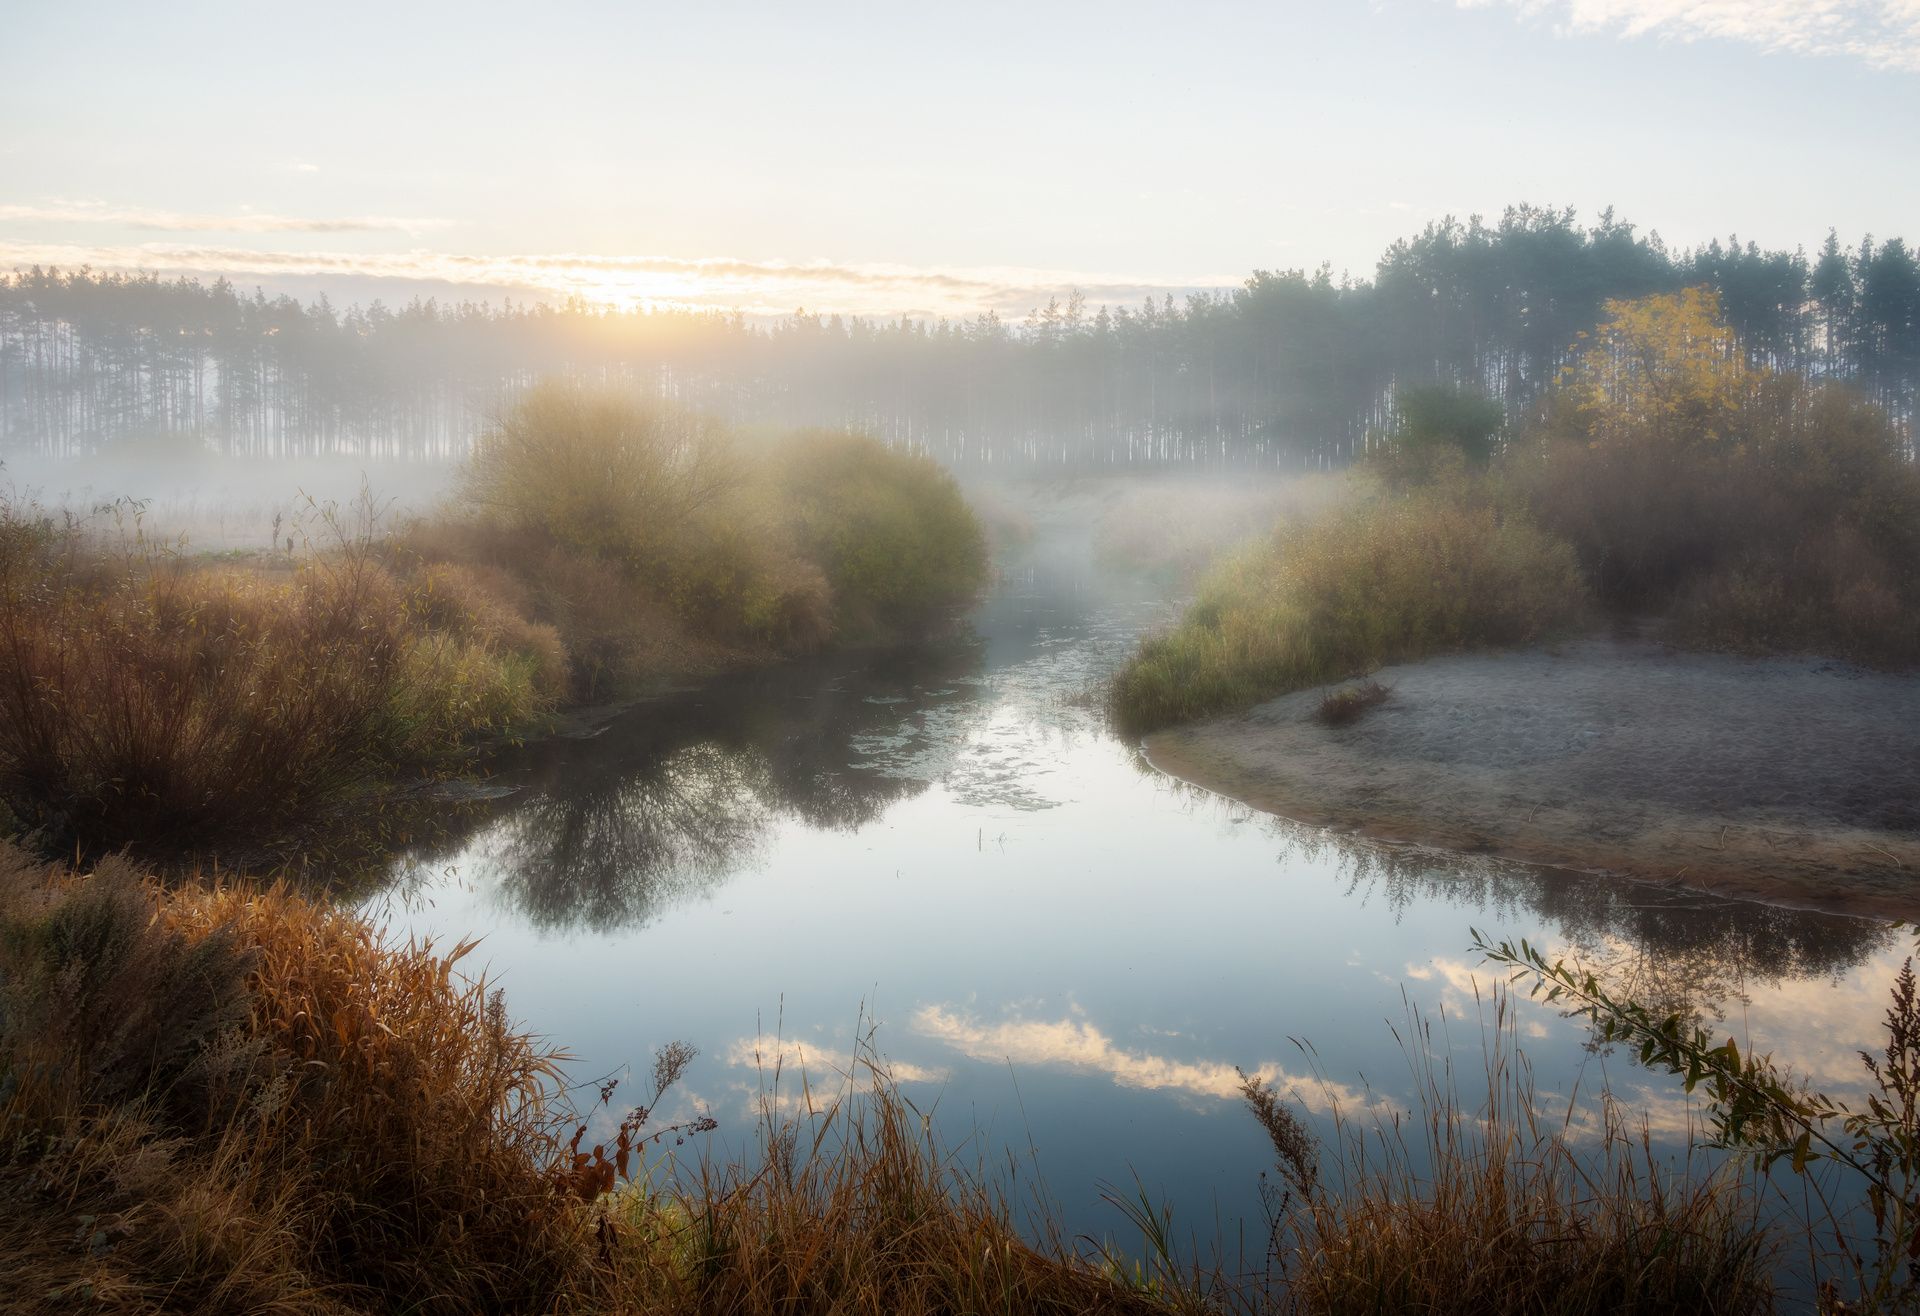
[{"x": 1538, "y": 757}]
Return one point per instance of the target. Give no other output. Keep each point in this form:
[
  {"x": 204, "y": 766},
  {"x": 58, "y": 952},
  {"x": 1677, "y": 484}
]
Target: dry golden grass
[
  {"x": 1480, "y": 1203},
  {"x": 857, "y": 1209},
  {"x": 158, "y": 701},
  {"x": 251, "y": 1101}
]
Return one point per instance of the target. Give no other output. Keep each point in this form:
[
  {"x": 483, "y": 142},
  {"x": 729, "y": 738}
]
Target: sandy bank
[{"x": 1791, "y": 780}]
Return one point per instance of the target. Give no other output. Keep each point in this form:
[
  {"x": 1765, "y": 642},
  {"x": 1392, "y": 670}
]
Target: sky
[{"x": 928, "y": 160}]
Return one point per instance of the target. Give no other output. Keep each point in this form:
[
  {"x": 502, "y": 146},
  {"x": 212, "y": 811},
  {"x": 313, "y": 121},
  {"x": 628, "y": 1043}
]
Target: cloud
[
  {"x": 173, "y": 221},
  {"x": 757, "y": 287},
  {"x": 1074, "y": 1043},
  {"x": 1884, "y": 34},
  {"x": 767, "y": 1055}
]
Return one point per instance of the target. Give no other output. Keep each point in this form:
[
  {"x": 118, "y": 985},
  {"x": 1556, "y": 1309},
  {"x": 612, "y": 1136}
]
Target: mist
[{"x": 1226, "y": 660}]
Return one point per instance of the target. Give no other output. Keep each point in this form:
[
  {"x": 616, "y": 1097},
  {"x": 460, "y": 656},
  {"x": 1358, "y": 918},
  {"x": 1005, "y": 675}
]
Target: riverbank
[
  {"x": 1791, "y": 780},
  {"x": 251, "y": 708}
]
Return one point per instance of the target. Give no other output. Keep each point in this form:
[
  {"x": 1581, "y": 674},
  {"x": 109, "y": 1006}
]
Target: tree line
[{"x": 1292, "y": 368}]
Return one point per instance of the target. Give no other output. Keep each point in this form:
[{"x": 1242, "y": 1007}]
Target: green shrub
[
  {"x": 1439, "y": 431},
  {"x": 601, "y": 471},
  {"x": 1380, "y": 580},
  {"x": 899, "y": 546},
  {"x": 664, "y": 505}
]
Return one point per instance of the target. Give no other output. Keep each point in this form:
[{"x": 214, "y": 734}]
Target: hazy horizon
[{"x": 879, "y": 162}]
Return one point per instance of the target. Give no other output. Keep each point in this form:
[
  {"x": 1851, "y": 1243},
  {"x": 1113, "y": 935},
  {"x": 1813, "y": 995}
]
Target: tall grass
[
  {"x": 854, "y": 1206},
  {"x": 1477, "y": 1203},
  {"x": 255, "y": 1103},
  {"x": 151, "y": 699},
  {"x": 1381, "y": 579}
]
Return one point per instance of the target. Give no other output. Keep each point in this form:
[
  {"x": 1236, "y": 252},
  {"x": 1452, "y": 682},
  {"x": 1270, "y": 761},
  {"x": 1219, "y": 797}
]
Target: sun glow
[{"x": 641, "y": 282}]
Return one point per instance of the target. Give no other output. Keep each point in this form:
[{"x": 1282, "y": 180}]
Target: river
[{"x": 1062, "y": 954}]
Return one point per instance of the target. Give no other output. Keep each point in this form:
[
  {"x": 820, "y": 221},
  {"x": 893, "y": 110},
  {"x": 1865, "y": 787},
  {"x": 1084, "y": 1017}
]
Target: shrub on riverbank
[
  {"x": 663, "y": 497},
  {"x": 656, "y": 542},
  {"x": 1757, "y": 511},
  {"x": 897, "y": 543},
  {"x": 1774, "y": 514},
  {"x": 151, "y": 700},
  {"x": 1381, "y": 579}
]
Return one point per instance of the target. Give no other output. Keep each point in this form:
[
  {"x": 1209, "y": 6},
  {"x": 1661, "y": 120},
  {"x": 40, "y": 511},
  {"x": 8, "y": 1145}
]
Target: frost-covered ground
[{"x": 1788, "y": 779}]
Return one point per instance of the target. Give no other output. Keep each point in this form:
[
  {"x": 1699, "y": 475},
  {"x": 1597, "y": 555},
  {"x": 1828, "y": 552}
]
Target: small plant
[{"x": 1347, "y": 705}]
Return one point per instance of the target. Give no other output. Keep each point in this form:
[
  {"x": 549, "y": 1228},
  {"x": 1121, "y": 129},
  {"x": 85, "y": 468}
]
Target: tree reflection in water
[
  {"x": 675, "y": 795},
  {"x": 1674, "y": 950},
  {"x": 1669, "y": 948}
]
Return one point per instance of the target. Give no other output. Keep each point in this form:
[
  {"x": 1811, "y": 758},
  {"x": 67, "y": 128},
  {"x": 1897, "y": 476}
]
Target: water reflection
[
  {"x": 1677, "y": 951},
  {"x": 669, "y": 799}
]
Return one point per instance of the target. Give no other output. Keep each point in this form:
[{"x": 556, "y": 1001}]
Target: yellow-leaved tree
[{"x": 1665, "y": 366}]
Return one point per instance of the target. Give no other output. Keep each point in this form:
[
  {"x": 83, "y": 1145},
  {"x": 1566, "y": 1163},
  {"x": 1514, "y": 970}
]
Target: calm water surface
[{"x": 1066, "y": 951}]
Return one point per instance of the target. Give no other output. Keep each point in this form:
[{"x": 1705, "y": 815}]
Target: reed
[{"x": 1476, "y": 1201}]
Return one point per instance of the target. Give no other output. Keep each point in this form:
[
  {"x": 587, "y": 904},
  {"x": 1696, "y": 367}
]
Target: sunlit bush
[
  {"x": 1380, "y": 580},
  {"x": 600, "y": 471}
]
